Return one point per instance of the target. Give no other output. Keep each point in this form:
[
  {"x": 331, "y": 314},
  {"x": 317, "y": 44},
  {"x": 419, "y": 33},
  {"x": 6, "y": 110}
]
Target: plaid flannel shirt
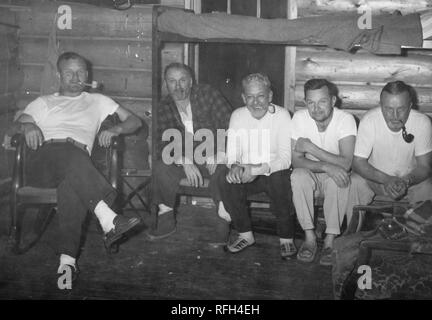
[{"x": 210, "y": 110}]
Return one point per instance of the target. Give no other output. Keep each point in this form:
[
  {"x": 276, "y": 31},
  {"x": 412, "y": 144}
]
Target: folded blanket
[{"x": 388, "y": 33}]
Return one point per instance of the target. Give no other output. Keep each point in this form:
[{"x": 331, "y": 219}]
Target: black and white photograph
[{"x": 214, "y": 156}]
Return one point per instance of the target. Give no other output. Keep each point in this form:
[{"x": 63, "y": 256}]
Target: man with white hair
[{"x": 259, "y": 158}]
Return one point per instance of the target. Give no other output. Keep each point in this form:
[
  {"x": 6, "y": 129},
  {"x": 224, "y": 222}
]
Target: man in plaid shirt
[{"x": 188, "y": 109}]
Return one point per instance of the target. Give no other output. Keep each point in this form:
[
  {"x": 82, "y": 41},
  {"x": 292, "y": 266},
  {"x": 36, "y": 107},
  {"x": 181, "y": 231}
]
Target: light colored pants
[
  {"x": 363, "y": 191},
  {"x": 305, "y": 184}
]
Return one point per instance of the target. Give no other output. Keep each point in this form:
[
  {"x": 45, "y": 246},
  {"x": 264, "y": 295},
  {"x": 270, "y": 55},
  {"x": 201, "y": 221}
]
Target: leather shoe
[{"x": 122, "y": 225}]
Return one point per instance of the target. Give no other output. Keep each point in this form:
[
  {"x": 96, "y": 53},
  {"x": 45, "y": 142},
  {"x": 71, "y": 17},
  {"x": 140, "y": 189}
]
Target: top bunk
[{"x": 388, "y": 33}]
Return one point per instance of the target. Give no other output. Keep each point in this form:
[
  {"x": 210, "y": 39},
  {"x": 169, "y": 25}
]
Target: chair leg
[
  {"x": 42, "y": 220},
  {"x": 15, "y": 228}
]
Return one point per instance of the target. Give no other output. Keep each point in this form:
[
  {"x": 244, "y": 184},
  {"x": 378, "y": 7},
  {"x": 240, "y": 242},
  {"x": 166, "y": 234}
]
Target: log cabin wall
[
  {"x": 10, "y": 82},
  {"x": 361, "y": 76},
  {"x": 117, "y": 43}
]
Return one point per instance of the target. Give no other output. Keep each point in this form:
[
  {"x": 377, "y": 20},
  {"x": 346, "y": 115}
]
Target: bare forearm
[
  {"x": 419, "y": 174},
  {"x": 328, "y": 157},
  {"x": 367, "y": 171},
  {"x": 19, "y": 125},
  {"x": 130, "y": 125},
  {"x": 303, "y": 162}
]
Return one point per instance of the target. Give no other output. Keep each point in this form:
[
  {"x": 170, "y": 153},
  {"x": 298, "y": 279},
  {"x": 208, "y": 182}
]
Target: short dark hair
[
  {"x": 181, "y": 66},
  {"x": 71, "y": 56},
  {"x": 398, "y": 87},
  {"x": 314, "y": 84}
]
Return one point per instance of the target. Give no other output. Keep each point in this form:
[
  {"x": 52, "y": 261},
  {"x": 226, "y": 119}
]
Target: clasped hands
[
  {"x": 241, "y": 173},
  {"x": 194, "y": 176},
  {"x": 395, "y": 187}
]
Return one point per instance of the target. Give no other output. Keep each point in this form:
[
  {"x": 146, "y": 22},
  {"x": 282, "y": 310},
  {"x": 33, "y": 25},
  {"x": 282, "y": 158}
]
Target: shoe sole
[
  {"x": 325, "y": 264},
  {"x": 121, "y": 235},
  {"x": 153, "y": 238},
  {"x": 289, "y": 257}
]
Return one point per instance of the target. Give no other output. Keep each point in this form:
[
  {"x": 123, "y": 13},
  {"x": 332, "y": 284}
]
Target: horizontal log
[
  {"x": 357, "y": 113},
  {"x": 342, "y": 66},
  {"x": 106, "y": 53},
  {"x": 142, "y": 109},
  {"x": 316, "y": 7},
  {"x": 365, "y": 97},
  {"x": 88, "y": 20},
  {"x": 121, "y": 83},
  {"x": 25, "y": 97}
]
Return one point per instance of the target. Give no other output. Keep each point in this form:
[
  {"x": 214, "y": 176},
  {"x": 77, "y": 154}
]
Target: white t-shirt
[
  {"x": 79, "y": 118},
  {"x": 341, "y": 125},
  {"x": 386, "y": 150},
  {"x": 267, "y": 140}
]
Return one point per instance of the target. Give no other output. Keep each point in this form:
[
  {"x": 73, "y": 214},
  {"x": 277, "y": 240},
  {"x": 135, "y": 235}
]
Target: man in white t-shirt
[
  {"x": 323, "y": 139},
  {"x": 60, "y": 129},
  {"x": 259, "y": 158},
  {"x": 393, "y": 152}
]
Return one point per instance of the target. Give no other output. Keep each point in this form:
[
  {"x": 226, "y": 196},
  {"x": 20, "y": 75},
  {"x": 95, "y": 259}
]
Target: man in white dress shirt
[{"x": 259, "y": 158}]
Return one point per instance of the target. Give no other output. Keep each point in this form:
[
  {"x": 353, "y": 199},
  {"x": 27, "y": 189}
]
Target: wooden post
[{"x": 290, "y": 62}]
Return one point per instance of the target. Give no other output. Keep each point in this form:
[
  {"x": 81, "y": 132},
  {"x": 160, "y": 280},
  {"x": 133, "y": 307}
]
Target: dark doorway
[{"x": 224, "y": 65}]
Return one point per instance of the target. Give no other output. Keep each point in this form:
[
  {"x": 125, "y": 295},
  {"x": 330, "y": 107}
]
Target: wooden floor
[{"x": 183, "y": 266}]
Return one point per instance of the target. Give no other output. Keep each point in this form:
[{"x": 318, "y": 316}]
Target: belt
[{"x": 67, "y": 140}]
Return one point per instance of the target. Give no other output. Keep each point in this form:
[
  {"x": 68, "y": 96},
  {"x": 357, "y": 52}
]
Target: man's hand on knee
[
  {"x": 247, "y": 175},
  {"x": 235, "y": 174},
  {"x": 193, "y": 175},
  {"x": 338, "y": 174},
  {"x": 33, "y": 135}
]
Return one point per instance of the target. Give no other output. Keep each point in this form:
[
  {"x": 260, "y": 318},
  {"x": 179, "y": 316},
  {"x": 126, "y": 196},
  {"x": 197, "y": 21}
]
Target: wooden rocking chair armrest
[
  {"x": 116, "y": 147},
  {"x": 18, "y": 142}
]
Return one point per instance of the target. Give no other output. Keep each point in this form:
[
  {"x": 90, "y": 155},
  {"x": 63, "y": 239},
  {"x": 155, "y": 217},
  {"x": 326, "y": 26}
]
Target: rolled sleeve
[
  {"x": 365, "y": 139},
  {"x": 424, "y": 140},
  {"x": 283, "y": 158},
  {"x": 37, "y": 109}
]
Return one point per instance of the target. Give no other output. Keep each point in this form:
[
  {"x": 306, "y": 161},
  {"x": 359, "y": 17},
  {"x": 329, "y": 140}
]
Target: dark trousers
[
  {"x": 80, "y": 186},
  {"x": 277, "y": 186},
  {"x": 166, "y": 180}
]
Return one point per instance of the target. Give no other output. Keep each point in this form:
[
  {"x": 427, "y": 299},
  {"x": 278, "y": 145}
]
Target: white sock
[
  {"x": 163, "y": 209},
  {"x": 284, "y": 240},
  {"x": 65, "y": 259},
  {"x": 105, "y": 216},
  {"x": 247, "y": 235},
  {"x": 223, "y": 213}
]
